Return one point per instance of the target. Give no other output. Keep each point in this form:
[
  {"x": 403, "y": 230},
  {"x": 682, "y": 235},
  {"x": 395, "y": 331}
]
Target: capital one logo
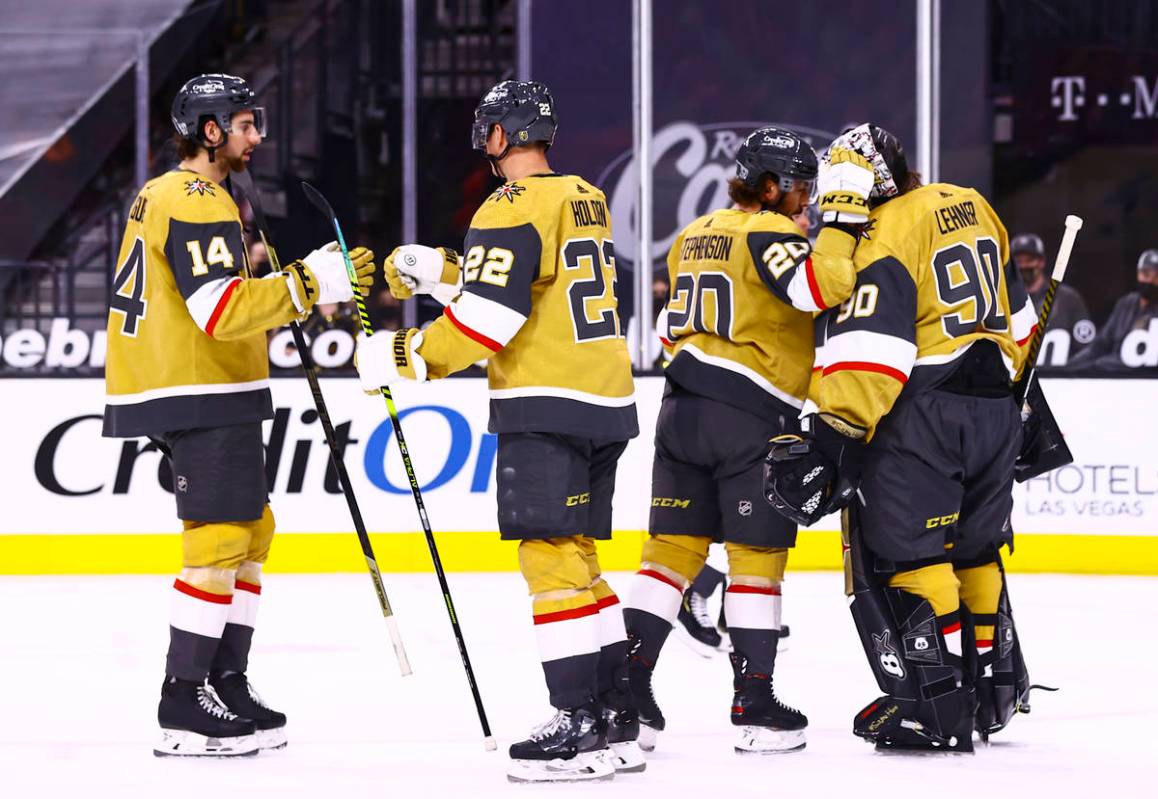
[{"x": 1069, "y": 95}]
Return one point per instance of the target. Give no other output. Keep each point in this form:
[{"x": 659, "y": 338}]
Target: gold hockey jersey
[
  {"x": 933, "y": 278},
  {"x": 539, "y": 303},
  {"x": 186, "y": 327},
  {"x": 739, "y": 321}
]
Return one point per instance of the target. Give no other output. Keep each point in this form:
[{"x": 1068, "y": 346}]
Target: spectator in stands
[
  {"x": 1069, "y": 309},
  {"x": 1134, "y": 311}
]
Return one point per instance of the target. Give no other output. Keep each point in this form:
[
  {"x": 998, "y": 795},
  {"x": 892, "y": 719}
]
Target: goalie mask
[
  {"x": 881, "y": 149},
  {"x": 218, "y": 97}
]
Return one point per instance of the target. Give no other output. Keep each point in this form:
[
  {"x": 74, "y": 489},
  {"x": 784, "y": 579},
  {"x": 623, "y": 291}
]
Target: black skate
[
  {"x": 695, "y": 625},
  {"x": 768, "y": 726},
  {"x": 891, "y": 724},
  {"x": 571, "y": 746},
  {"x": 623, "y": 732},
  {"x": 650, "y": 717},
  {"x": 238, "y": 695},
  {"x": 195, "y": 723}
]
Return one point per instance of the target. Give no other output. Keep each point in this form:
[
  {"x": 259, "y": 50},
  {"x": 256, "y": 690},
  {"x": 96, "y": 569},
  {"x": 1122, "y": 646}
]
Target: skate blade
[
  {"x": 702, "y": 649},
  {"x": 183, "y": 743},
  {"x": 584, "y": 767},
  {"x": 768, "y": 741},
  {"x": 627, "y": 757},
  {"x": 887, "y": 749},
  {"x": 647, "y": 737},
  {"x": 268, "y": 740}
]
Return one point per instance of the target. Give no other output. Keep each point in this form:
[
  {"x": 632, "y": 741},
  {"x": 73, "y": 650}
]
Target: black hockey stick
[
  {"x": 1073, "y": 225},
  {"x": 320, "y": 202},
  {"x": 245, "y": 182}
]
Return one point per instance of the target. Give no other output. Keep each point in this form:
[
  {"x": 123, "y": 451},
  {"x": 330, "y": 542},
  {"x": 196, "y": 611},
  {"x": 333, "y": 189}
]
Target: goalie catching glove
[
  {"x": 414, "y": 269},
  {"x": 321, "y": 277},
  {"x": 816, "y": 473},
  {"x": 387, "y": 357},
  {"x": 845, "y": 182}
]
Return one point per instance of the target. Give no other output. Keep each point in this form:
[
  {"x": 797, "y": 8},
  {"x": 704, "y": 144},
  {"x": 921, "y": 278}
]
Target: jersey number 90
[{"x": 972, "y": 275}]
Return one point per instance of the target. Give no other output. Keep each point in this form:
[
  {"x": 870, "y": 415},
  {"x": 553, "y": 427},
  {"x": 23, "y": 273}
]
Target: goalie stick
[
  {"x": 245, "y": 182},
  {"x": 323, "y": 205}
]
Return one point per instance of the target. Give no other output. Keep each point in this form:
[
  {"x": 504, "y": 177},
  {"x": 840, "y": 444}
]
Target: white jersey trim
[
  {"x": 865, "y": 345},
  {"x": 203, "y": 302},
  {"x": 744, "y": 371},
  {"x": 185, "y": 391},
  {"x": 799, "y": 292},
  {"x": 562, "y": 393},
  {"x": 1024, "y": 321},
  {"x": 492, "y": 319}
]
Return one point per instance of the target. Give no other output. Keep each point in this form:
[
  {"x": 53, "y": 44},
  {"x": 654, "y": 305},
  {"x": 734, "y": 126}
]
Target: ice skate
[
  {"x": 623, "y": 733},
  {"x": 570, "y": 747},
  {"x": 195, "y": 723},
  {"x": 651, "y": 721},
  {"x": 236, "y": 692},
  {"x": 695, "y": 626},
  {"x": 767, "y": 725}
]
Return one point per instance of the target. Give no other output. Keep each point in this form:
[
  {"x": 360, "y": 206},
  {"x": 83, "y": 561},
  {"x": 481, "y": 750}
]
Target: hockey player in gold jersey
[
  {"x": 745, "y": 283},
  {"x": 188, "y": 367},
  {"x": 538, "y": 302},
  {"x": 918, "y": 363}
]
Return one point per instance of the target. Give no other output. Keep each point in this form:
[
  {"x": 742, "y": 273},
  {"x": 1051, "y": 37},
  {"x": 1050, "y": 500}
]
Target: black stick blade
[
  {"x": 244, "y": 181},
  {"x": 315, "y": 197}
]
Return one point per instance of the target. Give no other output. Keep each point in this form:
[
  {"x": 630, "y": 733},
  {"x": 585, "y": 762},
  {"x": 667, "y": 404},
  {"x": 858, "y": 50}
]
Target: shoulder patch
[
  {"x": 580, "y": 189},
  {"x": 508, "y": 192},
  {"x": 199, "y": 186}
]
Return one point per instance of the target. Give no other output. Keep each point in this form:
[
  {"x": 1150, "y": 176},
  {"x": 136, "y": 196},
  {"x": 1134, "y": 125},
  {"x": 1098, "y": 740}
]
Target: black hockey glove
[{"x": 813, "y": 474}]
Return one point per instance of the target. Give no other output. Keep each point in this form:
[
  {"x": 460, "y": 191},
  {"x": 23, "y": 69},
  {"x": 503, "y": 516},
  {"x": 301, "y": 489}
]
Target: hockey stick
[
  {"x": 244, "y": 180},
  {"x": 320, "y": 202},
  {"x": 1073, "y": 225}
]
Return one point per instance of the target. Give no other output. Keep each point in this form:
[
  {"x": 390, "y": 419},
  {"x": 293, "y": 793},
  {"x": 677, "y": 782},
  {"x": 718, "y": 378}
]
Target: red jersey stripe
[
  {"x": 607, "y": 602},
  {"x": 1028, "y": 336},
  {"x": 866, "y": 366},
  {"x": 474, "y": 335},
  {"x": 663, "y": 578},
  {"x": 220, "y": 307},
  {"x": 813, "y": 286},
  {"x": 952, "y": 628}
]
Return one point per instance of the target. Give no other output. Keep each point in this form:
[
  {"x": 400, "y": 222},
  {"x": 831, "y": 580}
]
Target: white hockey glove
[
  {"x": 325, "y": 280},
  {"x": 846, "y": 178},
  {"x": 387, "y": 357},
  {"x": 415, "y": 269}
]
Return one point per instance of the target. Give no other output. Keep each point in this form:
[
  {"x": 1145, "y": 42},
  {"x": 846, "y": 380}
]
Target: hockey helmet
[
  {"x": 884, "y": 151},
  {"x": 214, "y": 96},
  {"x": 523, "y": 108},
  {"x": 780, "y": 152},
  {"x": 1029, "y": 243}
]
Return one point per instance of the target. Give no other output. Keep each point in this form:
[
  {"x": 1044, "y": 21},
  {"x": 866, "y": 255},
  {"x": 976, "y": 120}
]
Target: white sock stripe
[
  {"x": 244, "y": 608},
  {"x": 195, "y": 615},
  {"x": 655, "y": 596},
  {"x": 568, "y": 637},
  {"x": 611, "y": 627},
  {"x": 953, "y": 642},
  {"x": 755, "y": 611}
]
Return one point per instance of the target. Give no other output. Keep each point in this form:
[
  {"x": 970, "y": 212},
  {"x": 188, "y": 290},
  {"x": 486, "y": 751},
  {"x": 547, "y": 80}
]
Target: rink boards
[{"x": 77, "y": 503}]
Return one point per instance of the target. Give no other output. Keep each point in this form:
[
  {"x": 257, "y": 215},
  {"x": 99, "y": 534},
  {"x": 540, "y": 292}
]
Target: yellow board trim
[{"x": 484, "y": 552}]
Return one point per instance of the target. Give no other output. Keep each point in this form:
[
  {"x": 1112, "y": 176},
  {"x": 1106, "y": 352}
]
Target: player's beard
[{"x": 236, "y": 164}]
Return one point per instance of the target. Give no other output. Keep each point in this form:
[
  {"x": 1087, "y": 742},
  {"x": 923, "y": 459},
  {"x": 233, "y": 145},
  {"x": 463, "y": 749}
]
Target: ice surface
[{"x": 81, "y": 662}]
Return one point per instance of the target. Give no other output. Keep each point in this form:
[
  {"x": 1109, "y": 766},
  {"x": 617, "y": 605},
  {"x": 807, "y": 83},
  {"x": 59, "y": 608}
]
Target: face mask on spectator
[{"x": 1149, "y": 291}]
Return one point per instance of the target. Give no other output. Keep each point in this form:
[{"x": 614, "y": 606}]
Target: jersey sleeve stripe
[
  {"x": 866, "y": 346},
  {"x": 488, "y": 322},
  {"x": 800, "y": 290},
  {"x": 813, "y": 285},
  {"x": 208, "y": 302},
  {"x": 474, "y": 335},
  {"x": 1024, "y": 322},
  {"x": 867, "y": 366}
]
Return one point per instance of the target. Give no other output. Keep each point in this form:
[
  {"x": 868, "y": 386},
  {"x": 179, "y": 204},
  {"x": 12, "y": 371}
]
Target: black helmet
[
  {"x": 1027, "y": 242},
  {"x": 524, "y": 109},
  {"x": 1148, "y": 260},
  {"x": 214, "y": 96},
  {"x": 884, "y": 151},
  {"x": 780, "y": 152}
]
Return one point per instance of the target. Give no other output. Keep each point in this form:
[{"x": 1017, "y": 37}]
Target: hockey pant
[
  {"x": 751, "y": 602},
  {"x": 215, "y": 597},
  {"x": 578, "y": 620}
]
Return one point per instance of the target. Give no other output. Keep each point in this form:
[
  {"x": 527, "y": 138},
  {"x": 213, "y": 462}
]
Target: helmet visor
[{"x": 259, "y": 121}]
